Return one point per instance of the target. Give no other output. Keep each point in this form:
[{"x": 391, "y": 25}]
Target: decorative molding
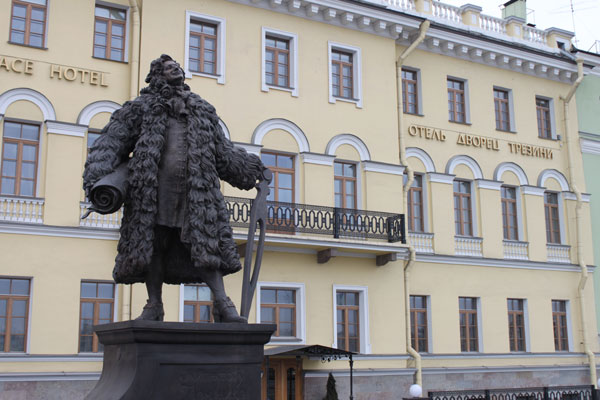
[
  {"x": 50, "y": 376},
  {"x": 65, "y": 128},
  {"x": 12, "y": 95},
  {"x": 585, "y": 197},
  {"x": 278, "y": 123},
  {"x": 59, "y": 231},
  {"x": 88, "y": 112},
  {"x": 488, "y": 184},
  {"x": 590, "y": 146},
  {"x": 467, "y": 161},
  {"x": 558, "y": 176},
  {"x": 374, "y": 166},
  {"x": 533, "y": 190},
  {"x": 499, "y": 263},
  {"x": 441, "y": 178},
  {"x": 514, "y": 168},
  {"x": 316, "y": 158},
  {"x": 349, "y": 139},
  {"x": 250, "y": 148},
  {"x": 423, "y": 156}
]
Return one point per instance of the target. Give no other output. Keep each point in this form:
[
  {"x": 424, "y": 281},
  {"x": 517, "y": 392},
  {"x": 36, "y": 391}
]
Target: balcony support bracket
[
  {"x": 325, "y": 255},
  {"x": 383, "y": 259}
]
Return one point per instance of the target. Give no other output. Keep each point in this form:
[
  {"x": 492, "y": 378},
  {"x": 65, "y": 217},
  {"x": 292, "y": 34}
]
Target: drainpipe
[
  {"x": 410, "y": 173},
  {"x": 134, "y": 63},
  {"x": 578, "y": 225}
]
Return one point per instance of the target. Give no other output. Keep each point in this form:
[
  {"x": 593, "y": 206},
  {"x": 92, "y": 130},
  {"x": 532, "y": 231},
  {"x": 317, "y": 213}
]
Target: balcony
[
  {"x": 422, "y": 242},
  {"x": 468, "y": 246},
  {"x": 559, "y": 253},
  {"x": 95, "y": 220},
  {"x": 22, "y": 209},
  {"x": 515, "y": 250},
  {"x": 337, "y": 223}
]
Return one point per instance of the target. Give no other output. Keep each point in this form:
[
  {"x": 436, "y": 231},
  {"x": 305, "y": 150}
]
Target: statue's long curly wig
[{"x": 156, "y": 79}]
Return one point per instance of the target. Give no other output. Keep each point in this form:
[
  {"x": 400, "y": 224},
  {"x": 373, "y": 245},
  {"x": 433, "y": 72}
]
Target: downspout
[
  {"x": 578, "y": 225},
  {"x": 133, "y": 92},
  {"x": 407, "y": 268},
  {"x": 134, "y": 64}
]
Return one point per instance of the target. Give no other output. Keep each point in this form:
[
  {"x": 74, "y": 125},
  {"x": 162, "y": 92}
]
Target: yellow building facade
[{"x": 382, "y": 121}]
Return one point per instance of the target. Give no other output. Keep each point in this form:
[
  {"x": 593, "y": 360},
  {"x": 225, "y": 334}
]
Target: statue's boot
[
  {"x": 224, "y": 311},
  {"x": 152, "y": 312}
]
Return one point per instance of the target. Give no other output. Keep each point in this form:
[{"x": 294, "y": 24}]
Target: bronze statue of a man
[{"x": 175, "y": 226}]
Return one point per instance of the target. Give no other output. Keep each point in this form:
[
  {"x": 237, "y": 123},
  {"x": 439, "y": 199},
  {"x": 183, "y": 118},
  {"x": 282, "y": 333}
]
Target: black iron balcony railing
[
  {"x": 336, "y": 222},
  {"x": 587, "y": 392}
]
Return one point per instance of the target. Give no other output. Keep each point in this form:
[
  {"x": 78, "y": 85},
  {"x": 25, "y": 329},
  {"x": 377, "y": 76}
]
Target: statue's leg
[
  {"x": 223, "y": 308},
  {"x": 153, "y": 310}
]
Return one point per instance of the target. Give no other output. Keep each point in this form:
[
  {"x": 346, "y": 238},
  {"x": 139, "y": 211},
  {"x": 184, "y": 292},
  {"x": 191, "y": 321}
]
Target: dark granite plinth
[{"x": 176, "y": 360}]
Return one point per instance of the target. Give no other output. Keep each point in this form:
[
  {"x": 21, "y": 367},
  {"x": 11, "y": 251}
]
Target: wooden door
[{"x": 283, "y": 380}]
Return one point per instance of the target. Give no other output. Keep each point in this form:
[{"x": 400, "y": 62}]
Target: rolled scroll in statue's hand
[{"x": 108, "y": 194}]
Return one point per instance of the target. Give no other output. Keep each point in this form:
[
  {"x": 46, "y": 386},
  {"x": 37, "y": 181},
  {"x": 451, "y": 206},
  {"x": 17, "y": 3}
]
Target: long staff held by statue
[{"x": 258, "y": 215}]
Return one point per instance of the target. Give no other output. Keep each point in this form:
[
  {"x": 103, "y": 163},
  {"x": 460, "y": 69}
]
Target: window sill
[
  {"x": 460, "y": 123},
  {"x": 334, "y": 99},
  {"x": 190, "y": 74},
  {"x": 285, "y": 340},
  {"x": 27, "y": 45},
  {"x": 415, "y": 114},
  {"x": 549, "y": 138},
  {"x": 110, "y": 59},
  {"x": 506, "y": 131},
  {"x": 293, "y": 91}
]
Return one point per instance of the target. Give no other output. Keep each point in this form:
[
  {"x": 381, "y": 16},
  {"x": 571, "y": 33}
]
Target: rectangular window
[
  {"x": 463, "y": 218},
  {"x": 344, "y": 184},
  {"x": 278, "y": 306},
  {"x": 277, "y": 61},
  {"x": 92, "y": 135},
  {"x": 281, "y": 190},
  {"x": 418, "y": 323},
  {"x": 97, "y": 307},
  {"x": 552, "y": 217},
  {"x": 109, "y": 33},
  {"x": 516, "y": 324},
  {"x": 415, "y": 205},
  {"x": 469, "y": 331},
  {"x": 14, "y": 314},
  {"x": 28, "y": 22},
  {"x": 203, "y": 47},
  {"x": 342, "y": 74},
  {"x": 197, "y": 303},
  {"x": 543, "y": 118},
  {"x": 509, "y": 213},
  {"x": 456, "y": 101},
  {"x": 559, "y": 322},
  {"x": 501, "y": 108},
  {"x": 410, "y": 96},
  {"x": 19, "y": 159},
  {"x": 348, "y": 321}
]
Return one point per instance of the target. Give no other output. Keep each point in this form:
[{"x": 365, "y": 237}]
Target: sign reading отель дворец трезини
[{"x": 482, "y": 142}]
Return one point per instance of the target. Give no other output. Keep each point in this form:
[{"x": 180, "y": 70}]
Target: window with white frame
[
  {"x": 458, "y": 100},
  {"x": 510, "y": 215},
  {"x": 351, "y": 319},
  {"x": 279, "y": 61},
  {"x": 544, "y": 107},
  {"x": 205, "y": 46},
  {"x": 110, "y": 32},
  {"x": 345, "y": 69},
  {"x": 503, "y": 109},
  {"x": 411, "y": 91},
  {"x": 197, "y": 303},
  {"x": 463, "y": 208},
  {"x": 517, "y": 324},
  {"x": 28, "y": 22},
  {"x": 560, "y": 324},
  {"x": 469, "y": 324},
  {"x": 552, "y": 216},
  {"x": 282, "y": 304}
]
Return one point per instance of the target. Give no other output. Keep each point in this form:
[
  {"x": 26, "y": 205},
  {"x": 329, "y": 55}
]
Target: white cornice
[
  {"x": 50, "y": 376},
  {"x": 316, "y": 158},
  {"x": 441, "y": 178},
  {"x": 374, "y": 166},
  {"x": 65, "y": 128},
  {"x": 585, "y": 197},
  {"x": 589, "y": 146},
  {"x": 249, "y": 147},
  {"x": 533, "y": 190},
  {"x": 499, "y": 263},
  {"x": 487, "y": 184},
  {"x": 59, "y": 231}
]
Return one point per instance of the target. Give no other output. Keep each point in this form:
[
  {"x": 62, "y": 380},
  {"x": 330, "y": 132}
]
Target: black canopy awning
[{"x": 309, "y": 350}]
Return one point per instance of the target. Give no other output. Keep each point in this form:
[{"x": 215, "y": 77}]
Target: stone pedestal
[{"x": 177, "y": 360}]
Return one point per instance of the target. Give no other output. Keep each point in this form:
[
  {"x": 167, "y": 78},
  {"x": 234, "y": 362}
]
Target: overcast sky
[{"x": 554, "y": 13}]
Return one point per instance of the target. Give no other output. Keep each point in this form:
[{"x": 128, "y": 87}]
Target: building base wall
[{"x": 46, "y": 390}]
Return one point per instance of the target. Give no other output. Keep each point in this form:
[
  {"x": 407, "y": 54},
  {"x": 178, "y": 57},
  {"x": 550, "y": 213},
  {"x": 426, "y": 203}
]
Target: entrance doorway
[{"x": 282, "y": 379}]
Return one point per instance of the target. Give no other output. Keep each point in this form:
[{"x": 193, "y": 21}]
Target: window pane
[
  {"x": 87, "y": 310},
  {"x": 268, "y": 296},
  {"x": 38, "y": 14},
  {"x": 10, "y": 168},
  {"x": 26, "y": 188},
  {"x": 8, "y": 186},
  {"x": 285, "y": 162},
  {"x": 105, "y": 290},
  {"x": 285, "y": 181},
  {"x": 10, "y": 150},
  {"x": 85, "y": 343},
  {"x": 285, "y": 297},
  {"x": 204, "y": 293},
  {"x": 17, "y": 343},
  {"x": 88, "y": 289},
  {"x": 19, "y": 10},
  {"x": 267, "y": 314},
  {"x": 4, "y": 288},
  {"x": 286, "y": 329},
  {"x": 204, "y": 313},
  {"x": 29, "y": 152},
  {"x": 35, "y": 40},
  {"x": 105, "y": 311},
  {"x": 116, "y": 54},
  {"x": 188, "y": 313},
  {"x": 352, "y": 316},
  {"x": 19, "y": 308},
  {"x": 286, "y": 314}
]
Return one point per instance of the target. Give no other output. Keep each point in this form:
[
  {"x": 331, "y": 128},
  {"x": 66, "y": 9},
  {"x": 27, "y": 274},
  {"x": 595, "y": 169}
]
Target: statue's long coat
[{"x": 138, "y": 128}]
